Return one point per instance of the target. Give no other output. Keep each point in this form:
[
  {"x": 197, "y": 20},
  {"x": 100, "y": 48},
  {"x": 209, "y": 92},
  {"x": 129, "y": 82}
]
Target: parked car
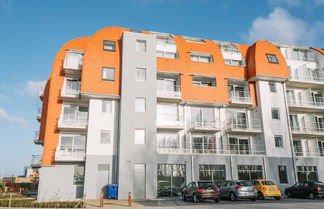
[
  {"x": 235, "y": 190},
  {"x": 310, "y": 189},
  {"x": 200, "y": 190},
  {"x": 266, "y": 188}
]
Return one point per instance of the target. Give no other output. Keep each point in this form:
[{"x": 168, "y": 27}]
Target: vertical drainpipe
[{"x": 293, "y": 157}]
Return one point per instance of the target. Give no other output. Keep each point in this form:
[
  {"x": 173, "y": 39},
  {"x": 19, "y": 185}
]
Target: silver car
[{"x": 235, "y": 190}]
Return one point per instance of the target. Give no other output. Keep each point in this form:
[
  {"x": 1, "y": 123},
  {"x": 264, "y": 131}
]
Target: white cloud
[
  {"x": 6, "y": 117},
  {"x": 280, "y": 26},
  {"x": 32, "y": 87},
  {"x": 4, "y": 98}
]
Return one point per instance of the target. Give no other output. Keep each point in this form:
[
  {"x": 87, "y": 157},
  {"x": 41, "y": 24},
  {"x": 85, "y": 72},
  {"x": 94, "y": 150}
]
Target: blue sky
[{"x": 31, "y": 33}]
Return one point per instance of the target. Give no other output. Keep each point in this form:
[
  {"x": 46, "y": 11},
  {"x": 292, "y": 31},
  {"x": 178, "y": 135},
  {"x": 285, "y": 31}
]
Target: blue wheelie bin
[{"x": 112, "y": 191}]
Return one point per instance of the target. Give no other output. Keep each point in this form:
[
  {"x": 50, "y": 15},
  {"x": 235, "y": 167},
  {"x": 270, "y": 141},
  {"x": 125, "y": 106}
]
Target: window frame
[
  {"x": 274, "y": 90},
  {"x": 140, "y": 141},
  {"x": 140, "y": 98},
  {"x": 109, "y": 136},
  {"x": 109, "y": 41},
  {"x": 281, "y": 141},
  {"x": 273, "y": 56},
  {"x": 285, "y": 181},
  {"x": 106, "y": 104},
  {"x": 199, "y": 55},
  {"x": 138, "y": 41},
  {"x": 102, "y": 73},
  {"x": 197, "y": 80},
  {"x": 136, "y": 75}
]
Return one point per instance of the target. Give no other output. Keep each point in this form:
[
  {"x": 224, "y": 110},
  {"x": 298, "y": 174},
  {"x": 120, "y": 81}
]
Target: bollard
[
  {"x": 129, "y": 199},
  {"x": 10, "y": 200},
  {"x": 101, "y": 199}
]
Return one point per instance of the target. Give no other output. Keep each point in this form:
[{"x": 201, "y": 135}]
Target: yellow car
[{"x": 266, "y": 188}]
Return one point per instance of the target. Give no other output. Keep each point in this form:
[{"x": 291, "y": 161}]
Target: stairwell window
[
  {"x": 201, "y": 57},
  {"x": 78, "y": 178},
  {"x": 108, "y": 74},
  {"x": 141, "y": 74},
  {"x": 278, "y": 141},
  {"x": 140, "y": 45},
  {"x": 140, "y": 136},
  {"x": 109, "y": 46},
  {"x": 273, "y": 87},
  {"x": 105, "y": 137},
  {"x": 275, "y": 113},
  {"x": 140, "y": 105},
  {"x": 272, "y": 58},
  {"x": 106, "y": 107}
]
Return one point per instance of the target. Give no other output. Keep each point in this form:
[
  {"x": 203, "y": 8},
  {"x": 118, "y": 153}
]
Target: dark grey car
[{"x": 235, "y": 190}]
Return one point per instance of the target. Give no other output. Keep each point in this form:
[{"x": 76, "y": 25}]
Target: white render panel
[
  {"x": 272, "y": 127},
  {"x": 100, "y": 121},
  {"x": 232, "y": 55}
]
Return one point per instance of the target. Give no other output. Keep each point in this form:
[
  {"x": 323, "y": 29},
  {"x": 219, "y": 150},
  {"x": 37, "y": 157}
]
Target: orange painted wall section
[
  {"x": 319, "y": 50},
  {"x": 258, "y": 63},
  {"x": 95, "y": 58},
  {"x": 54, "y": 103}
]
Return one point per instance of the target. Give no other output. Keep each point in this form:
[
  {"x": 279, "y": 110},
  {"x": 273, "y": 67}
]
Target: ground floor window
[
  {"x": 78, "y": 178},
  {"x": 283, "y": 178},
  {"x": 249, "y": 172},
  {"x": 170, "y": 177},
  {"x": 307, "y": 173},
  {"x": 212, "y": 172}
]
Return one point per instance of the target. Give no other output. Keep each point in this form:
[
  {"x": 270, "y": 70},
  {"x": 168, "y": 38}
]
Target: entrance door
[
  {"x": 139, "y": 181},
  {"x": 102, "y": 179}
]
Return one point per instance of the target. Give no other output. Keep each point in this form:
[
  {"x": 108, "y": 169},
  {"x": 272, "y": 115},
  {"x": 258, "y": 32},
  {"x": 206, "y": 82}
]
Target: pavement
[{"x": 290, "y": 203}]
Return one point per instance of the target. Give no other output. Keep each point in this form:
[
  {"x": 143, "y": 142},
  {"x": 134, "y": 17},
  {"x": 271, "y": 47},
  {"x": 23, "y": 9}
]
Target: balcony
[
  {"x": 36, "y": 161},
  {"x": 206, "y": 126},
  {"x": 39, "y": 114},
  {"x": 41, "y": 94},
  {"x": 37, "y": 140},
  {"x": 240, "y": 99},
  {"x": 69, "y": 155},
  {"x": 300, "y": 152},
  {"x": 306, "y": 78},
  {"x": 79, "y": 121},
  {"x": 210, "y": 149},
  {"x": 307, "y": 104},
  {"x": 311, "y": 130},
  {"x": 301, "y": 56},
  {"x": 242, "y": 125},
  {"x": 73, "y": 62},
  {"x": 71, "y": 91},
  {"x": 165, "y": 93},
  {"x": 169, "y": 122}
]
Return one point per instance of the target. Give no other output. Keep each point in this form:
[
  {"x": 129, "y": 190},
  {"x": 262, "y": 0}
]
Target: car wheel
[
  {"x": 233, "y": 196},
  {"x": 217, "y": 200},
  {"x": 195, "y": 198},
  {"x": 260, "y": 196},
  {"x": 184, "y": 198},
  {"x": 312, "y": 196},
  {"x": 277, "y": 198},
  {"x": 253, "y": 199}
]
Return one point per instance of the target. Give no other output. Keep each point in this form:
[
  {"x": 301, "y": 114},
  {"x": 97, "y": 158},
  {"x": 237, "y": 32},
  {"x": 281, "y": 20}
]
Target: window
[
  {"x": 72, "y": 143},
  {"x": 109, "y": 46},
  {"x": 249, "y": 172},
  {"x": 166, "y": 46},
  {"x": 204, "y": 144},
  {"x": 106, "y": 106},
  {"x": 283, "y": 178},
  {"x": 170, "y": 178},
  {"x": 201, "y": 57},
  {"x": 202, "y": 116},
  {"x": 273, "y": 87},
  {"x": 141, "y": 74},
  {"x": 212, "y": 172},
  {"x": 140, "y": 136},
  {"x": 141, "y": 46},
  {"x": 168, "y": 143},
  {"x": 272, "y": 58},
  {"x": 195, "y": 40},
  {"x": 234, "y": 62},
  {"x": 105, "y": 137},
  {"x": 78, "y": 178},
  {"x": 140, "y": 105},
  {"x": 275, "y": 113},
  {"x": 108, "y": 74},
  {"x": 307, "y": 173},
  {"x": 198, "y": 80},
  {"x": 278, "y": 141}
]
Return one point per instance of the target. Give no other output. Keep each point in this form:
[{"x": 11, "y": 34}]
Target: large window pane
[
  {"x": 212, "y": 172},
  {"x": 249, "y": 172},
  {"x": 170, "y": 177}
]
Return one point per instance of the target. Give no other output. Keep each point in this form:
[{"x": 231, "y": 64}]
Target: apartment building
[{"x": 151, "y": 111}]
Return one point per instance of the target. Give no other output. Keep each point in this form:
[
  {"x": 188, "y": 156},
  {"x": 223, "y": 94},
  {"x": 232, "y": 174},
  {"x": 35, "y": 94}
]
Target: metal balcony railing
[
  {"x": 317, "y": 102},
  {"x": 244, "y": 124},
  {"x": 79, "y": 120},
  {"x": 301, "y": 56},
  {"x": 69, "y": 155},
  {"x": 36, "y": 137},
  {"x": 206, "y": 124},
  {"x": 302, "y": 74},
  {"x": 36, "y": 160},
  {"x": 210, "y": 149},
  {"x": 166, "y": 92},
  {"x": 73, "y": 60},
  {"x": 300, "y": 152},
  {"x": 310, "y": 128},
  {"x": 240, "y": 97},
  {"x": 169, "y": 120},
  {"x": 71, "y": 90}
]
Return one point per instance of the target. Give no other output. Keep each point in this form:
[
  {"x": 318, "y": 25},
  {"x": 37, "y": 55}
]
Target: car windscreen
[
  {"x": 267, "y": 183},
  {"x": 243, "y": 183},
  {"x": 205, "y": 184}
]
